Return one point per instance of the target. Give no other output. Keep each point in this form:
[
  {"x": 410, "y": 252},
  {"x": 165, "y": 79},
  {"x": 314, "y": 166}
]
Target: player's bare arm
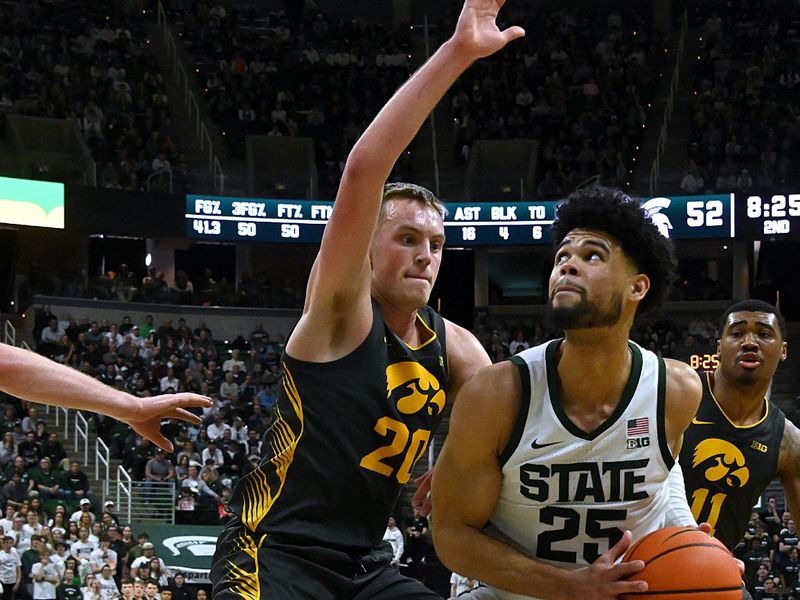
[
  {"x": 338, "y": 310},
  {"x": 35, "y": 378},
  {"x": 789, "y": 466},
  {"x": 465, "y": 355},
  {"x": 466, "y": 487},
  {"x": 683, "y": 393}
]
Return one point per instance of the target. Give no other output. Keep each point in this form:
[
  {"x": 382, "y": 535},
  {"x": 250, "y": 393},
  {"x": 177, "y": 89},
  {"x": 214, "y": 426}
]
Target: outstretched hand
[
  {"x": 477, "y": 34},
  {"x": 144, "y": 415}
]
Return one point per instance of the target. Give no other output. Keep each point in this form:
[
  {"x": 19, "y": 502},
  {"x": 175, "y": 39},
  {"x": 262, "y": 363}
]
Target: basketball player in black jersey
[
  {"x": 739, "y": 441},
  {"x": 366, "y": 372}
]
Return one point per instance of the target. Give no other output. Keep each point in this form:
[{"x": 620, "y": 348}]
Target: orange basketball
[{"x": 684, "y": 563}]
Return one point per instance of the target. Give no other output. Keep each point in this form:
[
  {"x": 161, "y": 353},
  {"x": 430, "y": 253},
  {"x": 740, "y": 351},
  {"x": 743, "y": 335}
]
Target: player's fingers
[
  {"x": 626, "y": 569},
  {"x": 183, "y": 399},
  {"x": 158, "y": 439},
  {"x": 183, "y": 415},
  {"x": 618, "y": 549},
  {"x": 513, "y": 33},
  {"x": 740, "y": 564},
  {"x": 628, "y": 587},
  {"x": 705, "y": 528}
]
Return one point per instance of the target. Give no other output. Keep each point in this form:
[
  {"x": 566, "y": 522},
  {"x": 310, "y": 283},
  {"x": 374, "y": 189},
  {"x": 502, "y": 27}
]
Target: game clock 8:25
[
  {"x": 777, "y": 207},
  {"x": 706, "y": 362}
]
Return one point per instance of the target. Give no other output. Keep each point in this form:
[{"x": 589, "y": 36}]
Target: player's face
[
  {"x": 751, "y": 347},
  {"x": 406, "y": 253},
  {"x": 589, "y": 277}
]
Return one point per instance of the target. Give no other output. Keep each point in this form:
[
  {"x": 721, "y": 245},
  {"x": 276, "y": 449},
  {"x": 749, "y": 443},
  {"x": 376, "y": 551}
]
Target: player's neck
[
  {"x": 405, "y": 325},
  {"x": 594, "y": 366},
  {"x": 743, "y": 405}
]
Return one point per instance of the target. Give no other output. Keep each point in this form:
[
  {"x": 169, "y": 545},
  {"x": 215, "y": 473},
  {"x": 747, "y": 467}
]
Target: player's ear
[
  {"x": 640, "y": 284},
  {"x": 784, "y": 351}
]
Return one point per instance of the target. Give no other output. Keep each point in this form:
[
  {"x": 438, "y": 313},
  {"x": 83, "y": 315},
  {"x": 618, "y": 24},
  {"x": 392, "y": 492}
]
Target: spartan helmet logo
[
  {"x": 722, "y": 461},
  {"x": 412, "y": 387},
  {"x": 652, "y": 209}
]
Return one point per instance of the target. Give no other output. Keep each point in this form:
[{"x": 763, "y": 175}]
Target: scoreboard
[{"x": 720, "y": 216}]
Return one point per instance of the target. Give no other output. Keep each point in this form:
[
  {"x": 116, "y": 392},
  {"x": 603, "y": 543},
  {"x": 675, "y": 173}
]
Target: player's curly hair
[{"x": 614, "y": 212}]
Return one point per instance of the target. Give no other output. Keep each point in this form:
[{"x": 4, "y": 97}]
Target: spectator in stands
[
  {"x": 45, "y": 481},
  {"x": 84, "y": 509},
  {"x": 69, "y": 587},
  {"x": 394, "y": 536},
  {"x": 234, "y": 360},
  {"x": 51, "y": 337},
  {"x": 30, "y": 451},
  {"x": 53, "y": 448},
  {"x": 103, "y": 555},
  {"x": 83, "y": 547},
  {"x": 148, "y": 554},
  {"x": 180, "y": 591},
  {"x": 8, "y": 449},
  {"x": 108, "y": 509},
  {"x": 45, "y": 577},
  {"x": 15, "y": 491},
  {"x": 10, "y": 568},
  {"x": 198, "y": 485},
  {"x": 692, "y": 183},
  {"x": 158, "y": 469}
]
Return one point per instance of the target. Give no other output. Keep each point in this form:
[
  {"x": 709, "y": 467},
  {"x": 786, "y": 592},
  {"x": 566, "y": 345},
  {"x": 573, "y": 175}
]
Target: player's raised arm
[
  {"x": 339, "y": 287},
  {"x": 35, "y": 378}
]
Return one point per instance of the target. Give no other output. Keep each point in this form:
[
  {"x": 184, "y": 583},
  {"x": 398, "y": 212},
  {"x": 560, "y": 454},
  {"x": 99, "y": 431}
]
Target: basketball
[{"x": 684, "y": 563}]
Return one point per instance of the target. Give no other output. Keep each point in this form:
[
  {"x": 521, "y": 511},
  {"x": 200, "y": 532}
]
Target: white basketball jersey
[{"x": 567, "y": 495}]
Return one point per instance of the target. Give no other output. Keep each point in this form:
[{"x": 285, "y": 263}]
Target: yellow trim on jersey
[
  {"x": 258, "y": 498},
  {"x": 714, "y": 398},
  {"x": 247, "y": 583},
  {"x": 429, "y": 340}
]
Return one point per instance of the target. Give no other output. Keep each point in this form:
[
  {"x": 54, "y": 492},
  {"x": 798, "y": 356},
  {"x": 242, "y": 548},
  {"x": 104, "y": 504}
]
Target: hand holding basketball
[{"x": 604, "y": 579}]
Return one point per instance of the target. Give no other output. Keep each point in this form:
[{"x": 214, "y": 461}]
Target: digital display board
[
  {"x": 466, "y": 224},
  {"x": 768, "y": 216},
  {"x": 30, "y": 202}
]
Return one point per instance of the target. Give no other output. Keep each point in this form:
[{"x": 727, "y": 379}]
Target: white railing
[
  {"x": 9, "y": 333},
  {"x": 24, "y": 345},
  {"x": 158, "y": 174},
  {"x": 101, "y": 456},
  {"x": 65, "y": 411},
  {"x": 124, "y": 492},
  {"x": 655, "y": 171},
  {"x": 190, "y": 100},
  {"x": 82, "y": 433}
]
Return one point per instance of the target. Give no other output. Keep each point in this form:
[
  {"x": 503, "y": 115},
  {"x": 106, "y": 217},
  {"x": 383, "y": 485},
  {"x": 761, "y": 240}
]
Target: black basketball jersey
[
  {"x": 345, "y": 439},
  {"x": 727, "y": 467}
]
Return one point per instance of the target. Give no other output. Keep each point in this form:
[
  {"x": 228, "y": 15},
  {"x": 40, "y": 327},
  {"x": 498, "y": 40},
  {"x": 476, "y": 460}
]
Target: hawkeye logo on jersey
[
  {"x": 637, "y": 433},
  {"x": 412, "y": 387},
  {"x": 721, "y": 461}
]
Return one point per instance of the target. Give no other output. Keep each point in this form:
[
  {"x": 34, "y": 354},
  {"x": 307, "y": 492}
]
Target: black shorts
[{"x": 248, "y": 568}]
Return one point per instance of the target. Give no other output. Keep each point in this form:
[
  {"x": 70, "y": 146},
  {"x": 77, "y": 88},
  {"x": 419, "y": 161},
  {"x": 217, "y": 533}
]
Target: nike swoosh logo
[
  {"x": 696, "y": 422},
  {"x": 536, "y": 445}
]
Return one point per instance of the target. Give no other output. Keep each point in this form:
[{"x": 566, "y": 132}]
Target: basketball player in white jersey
[{"x": 560, "y": 456}]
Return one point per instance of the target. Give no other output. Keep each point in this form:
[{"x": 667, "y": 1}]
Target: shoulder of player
[
  {"x": 683, "y": 387},
  {"x": 790, "y": 445},
  {"x": 488, "y": 403},
  {"x": 464, "y": 351}
]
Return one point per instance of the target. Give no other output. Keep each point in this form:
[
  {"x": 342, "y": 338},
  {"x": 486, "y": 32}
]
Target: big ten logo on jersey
[
  {"x": 637, "y": 433},
  {"x": 722, "y": 464},
  {"x": 415, "y": 392}
]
